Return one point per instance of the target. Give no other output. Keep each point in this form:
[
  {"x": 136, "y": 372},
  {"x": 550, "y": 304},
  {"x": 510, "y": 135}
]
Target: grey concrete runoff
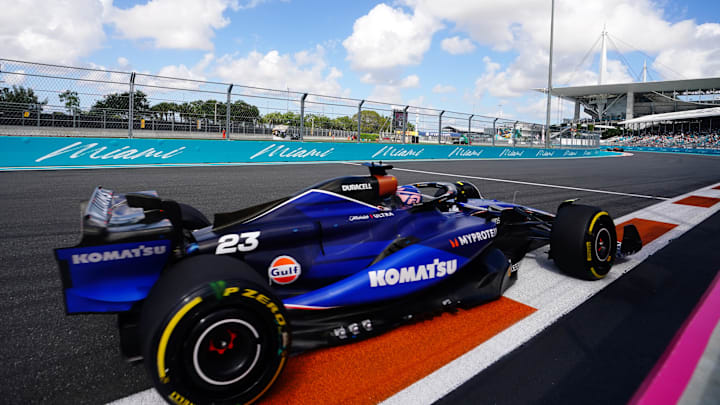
[{"x": 704, "y": 386}]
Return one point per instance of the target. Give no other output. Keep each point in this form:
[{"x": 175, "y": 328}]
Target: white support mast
[{"x": 603, "y": 58}]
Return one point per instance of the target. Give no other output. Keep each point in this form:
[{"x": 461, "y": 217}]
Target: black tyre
[
  {"x": 211, "y": 333},
  {"x": 192, "y": 218},
  {"x": 583, "y": 242}
]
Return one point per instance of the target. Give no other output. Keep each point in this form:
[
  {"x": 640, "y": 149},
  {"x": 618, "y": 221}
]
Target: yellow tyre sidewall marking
[
  {"x": 592, "y": 270},
  {"x": 166, "y": 336},
  {"x": 272, "y": 381},
  {"x": 590, "y": 229},
  {"x": 588, "y": 248},
  {"x": 595, "y": 218}
]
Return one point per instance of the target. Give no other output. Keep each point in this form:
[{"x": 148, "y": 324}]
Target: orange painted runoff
[{"x": 372, "y": 370}]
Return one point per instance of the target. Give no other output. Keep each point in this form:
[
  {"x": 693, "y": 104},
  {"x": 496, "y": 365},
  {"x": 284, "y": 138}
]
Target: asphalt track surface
[{"x": 48, "y": 357}]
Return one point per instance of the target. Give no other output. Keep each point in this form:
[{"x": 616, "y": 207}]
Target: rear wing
[
  {"x": 121, "y": 254},
  {"x": 108, "y": 217}
]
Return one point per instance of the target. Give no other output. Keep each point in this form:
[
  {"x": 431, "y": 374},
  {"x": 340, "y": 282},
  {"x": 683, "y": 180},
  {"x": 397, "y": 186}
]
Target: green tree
[
  {"x": 71, "y": 100},
  {"x": 345, "y": 123},
  {"x": 119, "y": 103},
  {"x": 287, "y": 118},
  {"x": 165, "y": 110},
  {"x": 318, "y": 121},
  {"x": 240, "y": 110},
  {"x": 372, "y": 122},
  {"x": 21, "y": 95}
]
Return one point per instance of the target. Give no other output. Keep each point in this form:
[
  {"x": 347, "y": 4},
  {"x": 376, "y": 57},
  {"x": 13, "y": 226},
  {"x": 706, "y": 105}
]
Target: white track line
[
  {"x": 554, "y": 295},
  {"x": 527, "y": 183}
]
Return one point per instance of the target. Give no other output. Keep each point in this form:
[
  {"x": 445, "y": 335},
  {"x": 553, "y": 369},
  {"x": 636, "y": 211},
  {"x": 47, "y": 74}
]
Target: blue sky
[{"x": 482, "y": 57}]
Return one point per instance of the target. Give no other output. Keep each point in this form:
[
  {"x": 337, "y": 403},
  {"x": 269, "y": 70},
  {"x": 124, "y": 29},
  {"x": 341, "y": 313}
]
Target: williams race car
[{"x": 212, "y": 307}]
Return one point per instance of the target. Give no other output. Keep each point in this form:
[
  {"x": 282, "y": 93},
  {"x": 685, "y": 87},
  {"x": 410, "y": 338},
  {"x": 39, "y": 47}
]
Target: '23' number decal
[{"x": 232, "y": 243}]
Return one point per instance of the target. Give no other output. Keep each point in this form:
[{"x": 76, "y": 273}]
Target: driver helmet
[{"x": 409, "y": 195}]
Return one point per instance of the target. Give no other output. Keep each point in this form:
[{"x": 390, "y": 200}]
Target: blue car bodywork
[
  {"x": 342, "y": 252},
  {"x": 332, "y": 240}
]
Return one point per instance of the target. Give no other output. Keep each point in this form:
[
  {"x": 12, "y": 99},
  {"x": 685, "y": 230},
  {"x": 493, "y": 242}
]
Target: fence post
[
  {"x": 38, "y": 107},
  {"x": 494, "y": 132},
  {"x": 227, "y": 111},
  {"x": 104, "y": 119},
  {"x": 405, "y": 118},
  {"x": 440, "y": 126},
  {"x": 359, "y": 118},
  {"x": 469, "y": 127},
  {"x": 131, "y": 105},
  {"x": 302, "y": 116}
]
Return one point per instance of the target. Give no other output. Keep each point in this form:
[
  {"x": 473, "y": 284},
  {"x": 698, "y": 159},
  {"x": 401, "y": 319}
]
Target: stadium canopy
[
  {"x": 671, "y": 116},
  {"x": 644, "y": 87}
]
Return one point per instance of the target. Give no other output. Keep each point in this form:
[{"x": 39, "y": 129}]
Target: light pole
[{"x": 549, "y": 87}]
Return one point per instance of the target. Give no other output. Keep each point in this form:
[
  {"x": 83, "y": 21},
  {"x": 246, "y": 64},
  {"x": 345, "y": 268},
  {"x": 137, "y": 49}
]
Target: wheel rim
[
  {"x": 226, "y": 351},
  {"x": 603, "y": 245}
]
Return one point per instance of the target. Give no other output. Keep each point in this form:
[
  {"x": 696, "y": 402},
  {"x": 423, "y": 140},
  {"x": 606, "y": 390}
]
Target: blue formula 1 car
[{"x": 212, "y": 308}]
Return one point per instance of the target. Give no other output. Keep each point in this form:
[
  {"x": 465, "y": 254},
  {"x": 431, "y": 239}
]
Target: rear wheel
[
  {"x": 583, "y": 242},
  {"x": 211, "y": 333}
]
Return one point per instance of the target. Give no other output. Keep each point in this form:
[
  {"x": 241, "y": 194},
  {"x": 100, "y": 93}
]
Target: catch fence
[{"x": 55, "y": 100}]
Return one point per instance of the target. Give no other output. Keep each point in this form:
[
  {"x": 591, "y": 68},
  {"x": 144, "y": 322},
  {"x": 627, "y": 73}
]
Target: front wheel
[
  {"x": 583, "y": 242},
  {"x": 211, "y": 333}
]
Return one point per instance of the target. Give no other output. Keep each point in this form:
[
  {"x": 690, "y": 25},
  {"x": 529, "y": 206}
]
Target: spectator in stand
[{"x": 705, "y": 140}]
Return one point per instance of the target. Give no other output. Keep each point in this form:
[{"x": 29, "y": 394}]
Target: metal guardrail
[{"x": 46, "y": 99}]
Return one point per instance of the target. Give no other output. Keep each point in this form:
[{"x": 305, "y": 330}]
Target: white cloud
[
  {"x": 251, "y": 3},
  {"x": 15, "y": 79},
  {"x": 181, "y": 71},
  {"x": 442, "y": 88},
  {"x": 690, "y": 62},
  {"x": 386, "y": 94},
  {"x": 123, "y": 62},
  {"x": 391, "y": 90},
  {"x": 387, "y": 37},
  {"x": 409, "y": 82},
  {"x": 698, "y": 58},
  {"x": 177, "y": 24},
  {"x": 303, "y": 71},
  {"x": 54, "y": 31},
  {"x": 457, "y": 45},
  {"x": 522, "y": 27}
]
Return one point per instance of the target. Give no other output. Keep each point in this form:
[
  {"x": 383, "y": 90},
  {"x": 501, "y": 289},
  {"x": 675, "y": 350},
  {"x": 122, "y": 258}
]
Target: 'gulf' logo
[{"x": 284, "y": 270}]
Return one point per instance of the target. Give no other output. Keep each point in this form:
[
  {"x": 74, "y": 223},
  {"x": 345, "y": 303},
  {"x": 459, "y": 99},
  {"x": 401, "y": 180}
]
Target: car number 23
[{"x": 233, "y": 243}]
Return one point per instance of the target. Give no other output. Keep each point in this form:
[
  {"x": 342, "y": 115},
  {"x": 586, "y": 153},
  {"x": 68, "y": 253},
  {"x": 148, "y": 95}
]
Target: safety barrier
[
  {"x": 701, "y": 151},
  {"x": 55, "y": 152}
]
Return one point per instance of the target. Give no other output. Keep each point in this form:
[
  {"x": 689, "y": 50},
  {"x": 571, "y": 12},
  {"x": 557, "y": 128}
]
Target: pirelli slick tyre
[
  {"x": 211, "y": 333},
  {"x": 583, "y": 242}
]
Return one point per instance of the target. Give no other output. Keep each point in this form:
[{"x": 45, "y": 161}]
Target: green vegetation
[
  {"x": 21, "y": 95},
  {"x": 116, "y": 105},
  {"x": 71, "y": 100}
]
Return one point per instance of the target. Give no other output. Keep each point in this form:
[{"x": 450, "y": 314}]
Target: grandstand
[
  {"x": 684, "y": 102},
  {"x": 672, "y": 112}
]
